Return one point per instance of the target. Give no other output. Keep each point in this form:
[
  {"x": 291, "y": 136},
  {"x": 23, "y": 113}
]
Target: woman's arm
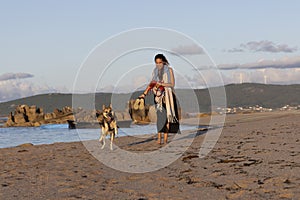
[{"x": 145, "y": 92}]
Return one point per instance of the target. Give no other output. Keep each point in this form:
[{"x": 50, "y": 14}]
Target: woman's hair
[{"x": 162, "y": 57}]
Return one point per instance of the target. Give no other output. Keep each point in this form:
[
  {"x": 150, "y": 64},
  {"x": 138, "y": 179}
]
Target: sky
[{"x": 44, "y": 44}]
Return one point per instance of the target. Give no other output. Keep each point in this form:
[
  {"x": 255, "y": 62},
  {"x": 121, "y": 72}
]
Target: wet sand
[{"x": 256, "y": 157}]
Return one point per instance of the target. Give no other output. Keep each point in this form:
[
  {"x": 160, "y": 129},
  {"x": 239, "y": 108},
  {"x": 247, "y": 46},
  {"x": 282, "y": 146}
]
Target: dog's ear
[
  {"x": 103, "y": 107},
  {"x": 110, "y": 105}
]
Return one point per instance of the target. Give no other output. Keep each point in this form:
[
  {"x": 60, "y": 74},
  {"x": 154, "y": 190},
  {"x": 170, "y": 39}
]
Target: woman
[{"x": 162, "y": 86}]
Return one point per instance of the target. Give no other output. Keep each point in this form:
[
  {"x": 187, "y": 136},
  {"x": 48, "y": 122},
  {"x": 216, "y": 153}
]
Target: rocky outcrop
[
  {"x": 139, "y": 114},
  {"x": 82, "y": 115},
  {"x": 25, "y": 115},
  {"x": 122, "y": 115}
]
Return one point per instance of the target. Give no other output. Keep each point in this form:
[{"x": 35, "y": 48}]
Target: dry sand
[{"x": 256, "y": 157}]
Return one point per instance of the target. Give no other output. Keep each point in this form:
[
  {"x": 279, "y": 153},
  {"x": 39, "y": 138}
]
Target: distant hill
[
  {"x": 271, "y": 96},
  {"x": 246, "y": 94}
]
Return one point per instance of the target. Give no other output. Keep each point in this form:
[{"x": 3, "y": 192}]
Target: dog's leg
[
  {"x": 103, "y": 135},
  {"x": 101, "y": 138},
  {"x": 116, "y": 129},
  {"x": 113, "y": 134},
  {"x": 111, "y": 140},
  {"x": 103, "y": 144}
]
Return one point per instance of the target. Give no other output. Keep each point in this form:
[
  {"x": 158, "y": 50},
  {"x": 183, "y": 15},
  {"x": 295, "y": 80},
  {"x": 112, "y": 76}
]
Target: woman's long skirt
[{"x": 162, "y": 121}]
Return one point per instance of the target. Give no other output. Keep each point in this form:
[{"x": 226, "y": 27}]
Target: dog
[{"x": 108, "y": 125}]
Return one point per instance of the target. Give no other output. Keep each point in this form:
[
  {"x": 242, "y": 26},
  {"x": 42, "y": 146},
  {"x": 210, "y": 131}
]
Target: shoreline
[
  {"x": 82, "y": 141},
  {"x": 202, "y": 122}
]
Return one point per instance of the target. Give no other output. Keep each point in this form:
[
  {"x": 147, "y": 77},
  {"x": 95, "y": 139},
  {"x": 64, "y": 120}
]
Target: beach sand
[{"x": 256, "y": 157}]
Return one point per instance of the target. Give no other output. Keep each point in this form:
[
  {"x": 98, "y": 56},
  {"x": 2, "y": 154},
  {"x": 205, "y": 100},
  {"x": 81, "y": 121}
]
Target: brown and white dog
[{"x": 109, "y": 125}]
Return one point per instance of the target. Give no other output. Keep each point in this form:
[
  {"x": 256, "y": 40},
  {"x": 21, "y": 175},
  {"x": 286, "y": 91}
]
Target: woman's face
[{"x": 159, "y": 63}]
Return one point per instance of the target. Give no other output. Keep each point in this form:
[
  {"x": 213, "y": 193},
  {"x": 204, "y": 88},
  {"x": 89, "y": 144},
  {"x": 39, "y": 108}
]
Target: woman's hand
[
  {"x": 158, "y": 84},
  {"x": 142, "y": 96}
]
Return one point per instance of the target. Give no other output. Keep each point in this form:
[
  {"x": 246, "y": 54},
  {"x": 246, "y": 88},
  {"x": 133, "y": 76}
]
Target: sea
[{"x": 52, "y": 133}]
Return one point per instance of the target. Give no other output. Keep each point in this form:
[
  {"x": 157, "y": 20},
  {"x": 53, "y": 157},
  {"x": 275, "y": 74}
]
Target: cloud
[
  {"x": 11, "y": 76},
  {"x": 14, "y": 89},
  {"x": 263, "y": 46},
  {"x": 233, "y": 50},
  {"x": 188, "y": 50},
  {"x": 282, "y": 63}
]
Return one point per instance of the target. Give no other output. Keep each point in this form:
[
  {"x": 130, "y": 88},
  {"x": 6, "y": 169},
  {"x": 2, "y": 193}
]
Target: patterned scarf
[{"x": 162, "y": 74}]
